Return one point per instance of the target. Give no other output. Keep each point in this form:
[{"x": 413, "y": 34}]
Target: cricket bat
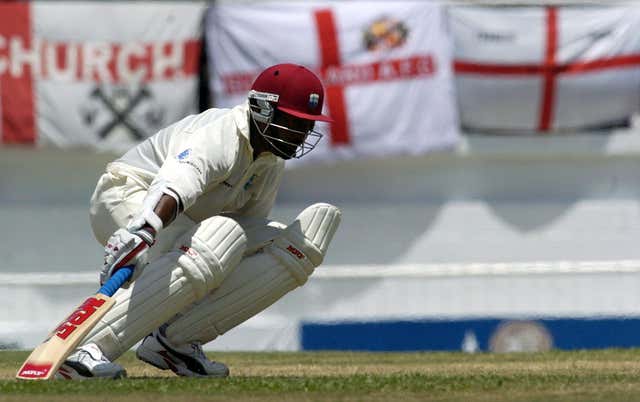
[{"x": 47, "y": 358}]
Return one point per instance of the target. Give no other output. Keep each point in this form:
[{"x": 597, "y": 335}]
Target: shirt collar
[{"x": 241, "y": 118}]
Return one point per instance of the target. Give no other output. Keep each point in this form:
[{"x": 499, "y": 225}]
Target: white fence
[
  {"x": 504, "y": 227},
  {"x": 368, "y": 294}
]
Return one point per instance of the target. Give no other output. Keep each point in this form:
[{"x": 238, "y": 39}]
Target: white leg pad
[
  {"x": 200, "y": 261},
  {"x": 260, "y": 232},
  {"x": 210, "y": 251},
  {"x": 261, "y": 278}
]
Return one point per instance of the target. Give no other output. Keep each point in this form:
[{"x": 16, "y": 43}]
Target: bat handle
[{"x": 115, "y": 282}]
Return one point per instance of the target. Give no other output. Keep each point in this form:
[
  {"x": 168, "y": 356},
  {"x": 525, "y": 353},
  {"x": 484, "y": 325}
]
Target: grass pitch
[{"x": 607, "y": 375}]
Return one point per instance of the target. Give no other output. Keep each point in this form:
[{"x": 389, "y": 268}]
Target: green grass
[{"x": 607, "y": 375}]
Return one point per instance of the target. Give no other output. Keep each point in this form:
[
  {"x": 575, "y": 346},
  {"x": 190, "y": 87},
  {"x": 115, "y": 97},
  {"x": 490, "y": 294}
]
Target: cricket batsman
[{"x": 188, "y": 209}]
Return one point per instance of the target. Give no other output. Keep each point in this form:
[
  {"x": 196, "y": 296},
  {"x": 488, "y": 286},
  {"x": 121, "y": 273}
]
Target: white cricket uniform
[
  {"x": 205, "y": 274},
  {"x": 206, "y": 159}
]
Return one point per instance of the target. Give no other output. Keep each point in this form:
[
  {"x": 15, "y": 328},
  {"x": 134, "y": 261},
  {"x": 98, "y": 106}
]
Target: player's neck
[{"x": 258, "y": 143}]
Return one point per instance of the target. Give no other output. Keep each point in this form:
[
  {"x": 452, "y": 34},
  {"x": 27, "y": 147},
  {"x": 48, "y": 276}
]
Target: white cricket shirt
[{"x": 207, "y": 160}]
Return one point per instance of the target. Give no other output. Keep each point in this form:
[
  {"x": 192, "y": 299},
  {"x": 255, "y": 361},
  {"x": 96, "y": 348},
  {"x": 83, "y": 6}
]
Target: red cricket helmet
[{"x": 296, "y": 90}]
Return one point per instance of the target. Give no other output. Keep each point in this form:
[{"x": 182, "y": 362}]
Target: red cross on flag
[
  {"x": 96, "y": 74},
  {"x": 546, "y": 68},
  {"x": 386, "y": 68}
]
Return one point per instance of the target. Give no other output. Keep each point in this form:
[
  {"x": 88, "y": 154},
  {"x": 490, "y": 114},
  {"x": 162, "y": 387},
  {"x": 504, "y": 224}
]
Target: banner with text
[
  {"x": 386, "y": 68},
  {"x": 99, "y": 74},
  {"x": 546, "y": 68}
]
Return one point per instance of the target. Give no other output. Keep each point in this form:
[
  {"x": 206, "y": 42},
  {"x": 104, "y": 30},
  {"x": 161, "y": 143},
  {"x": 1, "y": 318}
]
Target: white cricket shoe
[
  {"x": 88, "y": 362},
  {"x": 184, "y": 360}
]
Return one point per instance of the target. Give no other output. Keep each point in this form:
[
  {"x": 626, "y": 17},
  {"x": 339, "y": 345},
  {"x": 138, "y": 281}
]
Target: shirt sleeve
[
  {"x": 202, "y": 160},
  {"x": 261, "y": 205}
]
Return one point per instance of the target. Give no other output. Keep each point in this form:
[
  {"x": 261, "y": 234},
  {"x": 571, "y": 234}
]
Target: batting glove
[{"x": 126, "y": 248}]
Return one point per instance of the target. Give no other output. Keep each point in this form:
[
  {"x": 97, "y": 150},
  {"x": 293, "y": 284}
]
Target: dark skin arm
[{"x": 167, "y": 210}]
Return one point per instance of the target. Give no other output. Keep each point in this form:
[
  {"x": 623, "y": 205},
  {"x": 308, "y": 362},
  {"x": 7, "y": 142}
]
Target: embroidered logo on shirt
[
  {"x": 249, "y": 182},
  {"x": 185, "y": 157},
  {"x": 184, "y": 154}
]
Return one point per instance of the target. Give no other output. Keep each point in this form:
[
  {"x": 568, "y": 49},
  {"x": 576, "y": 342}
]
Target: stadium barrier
[{"x": 564, "y": 304}]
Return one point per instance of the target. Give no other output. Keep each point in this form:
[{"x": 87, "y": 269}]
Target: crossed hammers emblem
[{"x": 121, "y": 116}]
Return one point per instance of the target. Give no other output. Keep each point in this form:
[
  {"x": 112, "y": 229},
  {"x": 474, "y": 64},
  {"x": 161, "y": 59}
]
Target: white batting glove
[{"x": 126, "y": 248}]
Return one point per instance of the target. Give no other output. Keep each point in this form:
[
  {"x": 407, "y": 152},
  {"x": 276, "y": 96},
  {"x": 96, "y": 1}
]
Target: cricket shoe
[
  {"x": 88, "y": 362},
  {"x": 185, "y": 360}
]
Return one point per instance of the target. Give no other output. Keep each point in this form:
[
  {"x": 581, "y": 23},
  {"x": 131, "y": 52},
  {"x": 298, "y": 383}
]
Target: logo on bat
[
  {"x": 79, "y": 316},
  {"x": 31, "y": 370}
]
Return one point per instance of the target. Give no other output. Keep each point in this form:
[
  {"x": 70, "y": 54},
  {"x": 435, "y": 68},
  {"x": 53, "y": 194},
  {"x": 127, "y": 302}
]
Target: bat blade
[{"x": 46, "y": 359}]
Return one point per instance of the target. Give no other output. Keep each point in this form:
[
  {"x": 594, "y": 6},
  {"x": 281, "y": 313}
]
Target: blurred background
[{"x": 485, "y": 155}]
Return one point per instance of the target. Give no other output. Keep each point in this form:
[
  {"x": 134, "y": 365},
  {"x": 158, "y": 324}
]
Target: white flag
[
  {"x": 546, "y": 68},
  {"x": 386, "y": 68},
  {"x": 97, "y": 74}
]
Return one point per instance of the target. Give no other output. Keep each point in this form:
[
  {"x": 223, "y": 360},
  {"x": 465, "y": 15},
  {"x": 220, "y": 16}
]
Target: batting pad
[
  {"x": 198, "y": 263},
  {"x": 261, "y": 278},
  {"x": 260, "y": 232}
]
